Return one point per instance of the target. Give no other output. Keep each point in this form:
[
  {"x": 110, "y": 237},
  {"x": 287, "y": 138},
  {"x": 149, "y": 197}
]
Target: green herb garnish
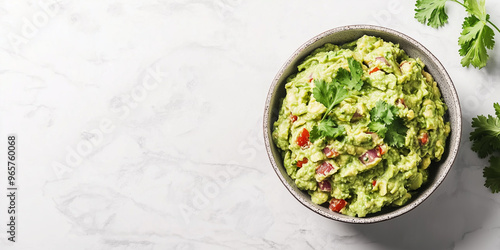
[
  {"x": 351, "y": 79},
  {"x": 492, "y": 175},
  {"x": 486, "y": 135},
  {"x": 476, "y": 37},
  {"x": 331, "y": 94},
  {"x": 328, "y": 94},
  {"x": 328, "y": 129},
  {"x": 387, "y": 124},
  {"x": 486, "y": 141}
]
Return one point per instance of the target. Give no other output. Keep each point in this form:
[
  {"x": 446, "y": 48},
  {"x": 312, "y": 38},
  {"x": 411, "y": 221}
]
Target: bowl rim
[{"x": 446, "y": 164}]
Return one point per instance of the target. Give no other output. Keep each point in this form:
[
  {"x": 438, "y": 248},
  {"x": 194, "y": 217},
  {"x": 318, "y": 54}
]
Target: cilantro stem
[
  {"x": 492, "y": 24},
  {"x": 460, "y": 4},
  {"x": 327, "y": 112}
]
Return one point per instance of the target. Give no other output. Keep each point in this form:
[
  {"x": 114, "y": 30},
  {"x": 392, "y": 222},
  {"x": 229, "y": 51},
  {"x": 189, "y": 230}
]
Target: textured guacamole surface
[{"x": 360, "y": 168}]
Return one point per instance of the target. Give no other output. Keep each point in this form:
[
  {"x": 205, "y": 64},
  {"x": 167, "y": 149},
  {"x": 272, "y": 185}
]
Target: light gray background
[{"x": 139, "y": 126}]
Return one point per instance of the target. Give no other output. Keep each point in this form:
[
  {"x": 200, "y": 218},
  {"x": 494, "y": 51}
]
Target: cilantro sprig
[
  {"x": 477, "y": 36},
  {"x": 328, "y": 94},
  {"x": 485, "y": 142},
  {"x": 331, "y": 94},
  {"x": 384, "y": 121}
]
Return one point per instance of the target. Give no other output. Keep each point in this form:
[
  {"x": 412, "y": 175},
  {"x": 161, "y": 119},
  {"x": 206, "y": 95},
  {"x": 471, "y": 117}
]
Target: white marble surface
[{"x": 139, "y": 126}]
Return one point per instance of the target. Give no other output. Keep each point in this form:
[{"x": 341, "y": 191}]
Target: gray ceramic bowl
[{"x": 437, "y": 171}]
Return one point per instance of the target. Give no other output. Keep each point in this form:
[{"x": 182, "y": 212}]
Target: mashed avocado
[{"x": 372, "y": 146}]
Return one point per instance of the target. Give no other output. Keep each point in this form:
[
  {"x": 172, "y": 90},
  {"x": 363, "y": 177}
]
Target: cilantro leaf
[
  {"x": 497, "y": 109},
  {"x": 475, "y": 38},
  {"x": 486, "y": 135},
  {"x": 343, "y": 76},
  {"x": 329, "y": 94},
  {"x": 356, "y": 69},
  {"x": 485, "y": 141},
  {"x": 378, "y": 127},
  {"x": 396, "y": 133},
  {"x": 385, "y": 122},
  {"x": 431, "y": 12},
  {"x": 351, "y": 79},
  {"x": 328, "y": 129},
  {"x": 470, "y": 28},
  {"x": 476, "y": 8},
  {"x": 383, "y": 112},
  {"x": 492, "y": 175}
]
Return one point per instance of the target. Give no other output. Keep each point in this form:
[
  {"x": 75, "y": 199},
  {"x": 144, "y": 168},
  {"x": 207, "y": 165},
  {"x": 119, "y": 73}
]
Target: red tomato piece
[
  {"x": 374, "y": 182},
  {"x": 337, "y": 204},
  {"x": 300, "y": 163},
  {"x": 324, "y": 169},
  {"x": 303, "y": 138},
  {"x": 374, "y": 70},
  {"x": 293, "y": 118},
  {"x": 424, "y": 138},
  {"x": 381, "y": 150}
]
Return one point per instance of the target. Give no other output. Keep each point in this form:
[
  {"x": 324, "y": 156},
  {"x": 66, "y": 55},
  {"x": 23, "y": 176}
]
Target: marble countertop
[{"x": 138, "y": 126}]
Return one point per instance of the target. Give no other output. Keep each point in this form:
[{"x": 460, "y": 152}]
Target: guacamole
[{"x": 371, "y": 146}]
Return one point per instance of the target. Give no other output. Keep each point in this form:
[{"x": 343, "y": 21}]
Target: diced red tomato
[
  {"x": 337, "y": 204},
  {"x": 310, "y": 79},
  {"x": 325, "y": 168},
  {"x": 424, "y": 138},
  {"x": 374, "y": 182},
  {"x": 381, "y": 150},
  {"x": 300, "y": 163},
  {"x": 374, "y": 70},
  {"x": 303, "y": 138},
  {"x": 325, "y": 186},
  {"x": 330, "y": 153},
  {"x": 293, "y": 118}
]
